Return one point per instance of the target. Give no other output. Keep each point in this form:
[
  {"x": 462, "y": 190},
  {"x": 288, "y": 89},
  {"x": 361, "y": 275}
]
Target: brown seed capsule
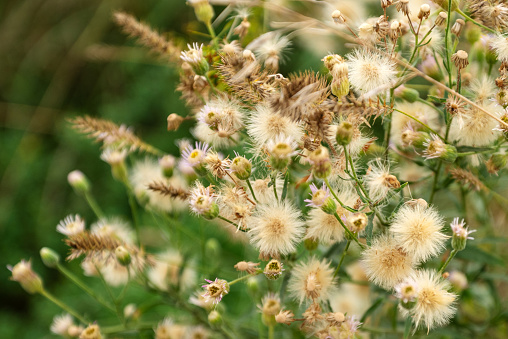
[
  {"x": 460, "y": 59},
  {"x": 458, "y": 26},
  {"x": 403, "y": 6},
  {"x": 174, "y": 121},
  {"x": 441, "y": 19}
]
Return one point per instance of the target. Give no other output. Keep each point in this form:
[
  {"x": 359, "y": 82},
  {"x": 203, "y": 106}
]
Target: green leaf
[
  {"x": 464, "y": 149},
  {"x": 285, "y": 187},
  {"x": 432, "y": 98},
  {"x": 407, "y": 327},
  {"x": 474, "y": 253},
  {"x": 369, "y": 229},
  {"x": 372, "y": 308}
]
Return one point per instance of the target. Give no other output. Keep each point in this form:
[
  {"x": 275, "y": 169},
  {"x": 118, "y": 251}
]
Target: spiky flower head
[
  {"x": 417, "y": 230},
  {"x": 241, "y": 167},
  {"x": 500, "y": 45},
  {"x": 71, "y": 225},
  {"x": 434, "y": 304},
  {"x": 437, "y": 148},
  {"x": 195, "y": 156},
  {"x": 202, "y": 201},
  {"x": 311, "y": 281},
  {"x": 346, "y": 330},
  {"x": 322, "y": 199},
  {"x": 93, "y": 331},
  {"x": 273, "y": 270},
  {"x": 215, "y": 290},
  {"x": 370, "y": 72},
  {"x": 247, "y": 266},
  {"x": 276, "y": 229},
  {"x": 269, "y": 308},
  {"x": 407, "y": 292},
  {"x": 285, "y": 317},
  {"x": 30, "y": 281},
  {"x": 460, "y": 234},
  {"x": 194, "y": 56}
]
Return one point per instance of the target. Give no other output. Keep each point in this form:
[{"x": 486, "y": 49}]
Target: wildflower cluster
[{"x": 295, "y": 169}]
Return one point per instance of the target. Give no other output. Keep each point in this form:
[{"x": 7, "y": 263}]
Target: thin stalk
[
  {"x": 110, "y": 293},
  {"x": 251, "y": 190},
  {"x": 434, "y": 184},
  {"x": 420, "y": 122},
  {"x": 468, "y": 18},
  {"x": 63, "y": 306},
  {"x": 447, "y": 44},
  {"x": 84, "y": 287},
  {"x": 228, "y": 221},
  {"x": 337, "y": 198},
  {"x": 134, "y": 212},
  {"x": 93, "y": 205},
  {"x": 450, "y": 257},
  {"x": 270, "y": 331},
  {"x": 342, "y": 258},
  {"x": 245, "y": 277},
  {"x": 274, "y": 180}
]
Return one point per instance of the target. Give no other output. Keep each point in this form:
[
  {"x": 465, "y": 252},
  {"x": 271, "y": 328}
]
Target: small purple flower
[
  {"x": 215, "y": 290},
  {"x": 459, "y": 230},
  {"x": 319, "y": 196}
]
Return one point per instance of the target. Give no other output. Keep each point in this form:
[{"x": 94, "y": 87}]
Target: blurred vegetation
[{"x": 59, "y": 59}]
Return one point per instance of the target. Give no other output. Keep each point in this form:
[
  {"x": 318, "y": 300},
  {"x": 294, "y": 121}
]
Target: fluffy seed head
[
  {"x": 276, "y": 229},
  {"x": 417, "y": 230},
  {"x": 386, "y": 263},
  {"x": 370, "y": 72},
  {"x": 312, "y": 280}
]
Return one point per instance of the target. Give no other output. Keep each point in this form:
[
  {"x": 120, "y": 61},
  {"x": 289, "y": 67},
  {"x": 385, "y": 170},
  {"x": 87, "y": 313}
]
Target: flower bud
[
  {"x": 337, "y": 17},
  {"x": 496, "y": 162},
  {"x": 281, "y": 153},
  {"x": 116, "y": 159},
  {"x": 91, "y": 332},
  {"x": 340, "y": 87},
  {"x": 78, "y": 181},
  {"x": 174, "y": 121},
  {"x": 49, "y": 257},
  {"x": 273, "y": 270},
  {"x": 460, "y": 234},
  {"x": 241, "y": 167},
  {"x": 215, "y": 319},
  {"x": 212, "y": 248},
  {"x": 203, "y": 10},
  {"x": 322, "y": 169},
  {"x": 414, "y": 138},
  {"x": 167, "y": 164},
  {"x": 407, "y": 293},
  {"x": 408, "y": 94},
  {"x": 212, "y": 212},
  {"x": 253, "y": 285},
  {"x": 345, "y": 132},
  {"x": 122, "y": 256},
  {"x": 30, "y": 281}
]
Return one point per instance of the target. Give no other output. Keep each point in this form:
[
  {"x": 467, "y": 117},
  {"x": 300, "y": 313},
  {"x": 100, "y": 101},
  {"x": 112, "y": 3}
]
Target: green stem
[
  {"x": 110, "y": 293},
  {"x": 251, "y": 190},
  {"x": 420, "y": 122},
  {"x": 245, "y": 277},
  {"x": 342, "y": 258},
  {"x": 468, "y": 18},
  {"x": 84, "y": 287},
  {"x": 227, "y": 220},
  {"x": 210, "y": 29},
  {"x": 270, "y": 331},
  {"x": 93, "y": 205},
  {"x": 63, "y": 306},
  {"x": 349, "y": 233},
  {"x": 447, "y": 44},
  {"x": 337, "y": 198},
  {"x": 434, "y": 184},
  {"x": 134, "y": 212},
  {"x": 450, "y": 257},
  {"x": 274, "y": 184}
]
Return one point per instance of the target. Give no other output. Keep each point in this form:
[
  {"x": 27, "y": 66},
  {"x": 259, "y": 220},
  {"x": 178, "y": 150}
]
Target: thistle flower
[
  {"x": 500, "y": 45},
  {"x": 437, "y": 148},
  {"x": 434, "y": 304},
  {"x": 202, "y": 201},
  {"x": 247, "y": 266},
  {"x": 215, "y": 290},
  {"x": 194, "y": 56},
  {"x": 312, "y": 281},
  {"x": 417, "y": 231},
  {"x": 346, "y": 330},
  {"x": 265, "y": 125},
  {"x": 370, "y": 71},
  {"x": 30, "y": 281},
  {"x": 273, "y": 270},
  {"x": 93, "y": 331},
  {"x": 386, "y": 263},
  {"x": 276, "y": 229},
  {"x": 407, "y": 292},
  {"x": 195, "y": 156},
  {"x": 61, "y": 324},
  {"x": 460, "y": 234},
  {"x": 284, "y": 317},
  {"x": 378, "y": 180},
  {"x": 71, "y": 225},
  {"x": 321, "y": 198}
]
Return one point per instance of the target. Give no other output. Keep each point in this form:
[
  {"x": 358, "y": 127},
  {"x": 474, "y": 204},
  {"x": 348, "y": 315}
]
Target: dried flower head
[
  {"x": 276, "y": 229},
  {"x": 247, "y": 266},
  {"x": 215, "y": 290},
  {"x": 23, "y": 273},
  {"x": 311, "y": 281},
  {"x": 284, "y": 317},
  {"x": 417, "y": 230},
  {"x": 273, "y": 270},
  {"x": 386, "y": 263},
  {"x": 378, "y": 180}
]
